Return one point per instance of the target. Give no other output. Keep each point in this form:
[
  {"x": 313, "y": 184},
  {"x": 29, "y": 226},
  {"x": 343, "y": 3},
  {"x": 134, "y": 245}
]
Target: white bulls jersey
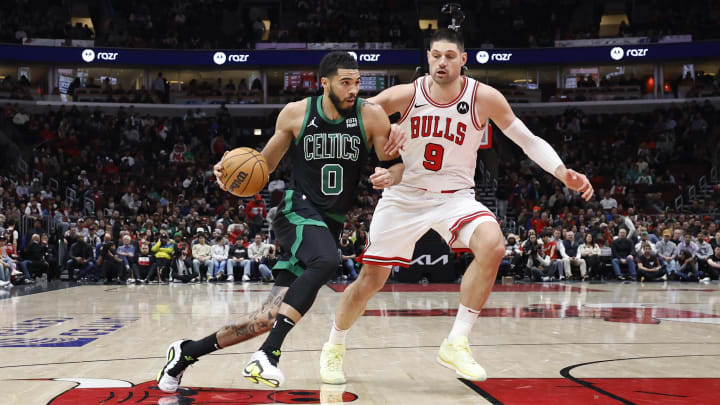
[{"x": 442, "y": 139}]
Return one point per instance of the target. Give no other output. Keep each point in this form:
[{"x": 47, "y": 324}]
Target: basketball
[{"x": 245, "y": 172}]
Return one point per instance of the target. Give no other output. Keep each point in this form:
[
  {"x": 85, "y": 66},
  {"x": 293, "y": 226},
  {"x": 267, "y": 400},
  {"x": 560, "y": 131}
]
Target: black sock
[
  {"x": 197, "y": 348},
  {"x": 274, "y": 341}
]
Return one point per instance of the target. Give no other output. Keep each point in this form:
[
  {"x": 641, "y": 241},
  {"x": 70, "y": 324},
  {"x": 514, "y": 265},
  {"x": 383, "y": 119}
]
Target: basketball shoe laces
[
  {"x": 333, "y": 361},
  {"x": 466, "y": 348}
]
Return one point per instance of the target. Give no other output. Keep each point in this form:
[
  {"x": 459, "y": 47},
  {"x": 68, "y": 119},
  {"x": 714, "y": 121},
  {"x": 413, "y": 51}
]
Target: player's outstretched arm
[
  {"x": 394, "y": 101},
  {"x": 536, "y": 148},
  {"x": 290, "y": 117}
]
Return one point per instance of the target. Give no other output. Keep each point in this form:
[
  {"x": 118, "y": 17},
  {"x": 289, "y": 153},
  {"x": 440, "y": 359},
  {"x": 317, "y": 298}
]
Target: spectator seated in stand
[
  {"x": 202, "y": 256},
  {"x": 219, "y": 253},
  {"x": 81, "y": 259},
  {"x": 347, "y": 257},
  {"x": 162, "y": 250},
  {"x": 622, "y": 249},
  {"x": 258, "y": 251},
  {"x": 648, "y": 265},
  {"x": 181, "y": 267}
]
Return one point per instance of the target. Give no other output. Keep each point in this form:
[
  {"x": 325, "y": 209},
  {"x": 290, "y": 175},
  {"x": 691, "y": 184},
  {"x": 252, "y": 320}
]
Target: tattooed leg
[{"x": 255, "y": 323}]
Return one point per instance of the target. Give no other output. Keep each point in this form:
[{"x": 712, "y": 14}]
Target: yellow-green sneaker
[
  {"x": 456, "y": 355},
  {"x": 331, "y": 364}
]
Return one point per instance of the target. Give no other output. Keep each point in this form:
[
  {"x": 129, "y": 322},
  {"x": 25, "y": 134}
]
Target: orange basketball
[{"x": 245, "y": 172}]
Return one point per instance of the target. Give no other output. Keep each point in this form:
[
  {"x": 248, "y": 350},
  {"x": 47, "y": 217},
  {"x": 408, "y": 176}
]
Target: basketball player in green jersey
[{"x": 330, "y": 137}]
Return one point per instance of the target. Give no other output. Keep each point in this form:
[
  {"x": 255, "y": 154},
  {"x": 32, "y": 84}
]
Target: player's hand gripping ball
[{"x": 242, "y": 171}]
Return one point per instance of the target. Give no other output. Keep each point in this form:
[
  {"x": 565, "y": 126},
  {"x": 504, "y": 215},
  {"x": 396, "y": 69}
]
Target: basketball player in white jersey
[{"x": 445, "y": 118}]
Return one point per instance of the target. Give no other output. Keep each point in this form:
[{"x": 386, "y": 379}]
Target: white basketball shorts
[{"x": 404, "y": 214}]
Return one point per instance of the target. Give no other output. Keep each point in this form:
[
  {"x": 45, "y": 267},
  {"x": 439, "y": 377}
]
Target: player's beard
[{"x": 338, "y": 103}]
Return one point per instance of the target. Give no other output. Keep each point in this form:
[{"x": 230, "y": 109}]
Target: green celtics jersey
[{"x": 328, "y": 158}]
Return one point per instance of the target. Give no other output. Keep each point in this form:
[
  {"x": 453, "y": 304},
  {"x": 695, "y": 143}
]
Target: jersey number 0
[{"x": 332, "y": 179}]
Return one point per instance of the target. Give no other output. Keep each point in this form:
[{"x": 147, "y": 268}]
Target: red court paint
[
  {"x": 148, "y": 393},
  {"x": 560, "y": 391}
]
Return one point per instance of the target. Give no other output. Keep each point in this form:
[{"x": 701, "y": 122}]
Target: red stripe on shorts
[{"x": 464, "y": 220}]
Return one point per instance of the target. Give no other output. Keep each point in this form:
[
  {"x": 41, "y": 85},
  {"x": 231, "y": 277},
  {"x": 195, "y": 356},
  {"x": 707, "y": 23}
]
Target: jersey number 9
[{"x": 433, "y": 157}]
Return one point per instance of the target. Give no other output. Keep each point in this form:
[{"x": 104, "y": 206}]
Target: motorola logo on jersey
[
  {"x": 437, "y": 127},
  {"x": 463, "y": 107},
  {"x": 88, "y": 55},
  {"x": 219, "y": 58},
  {"x": 365, "y": 57}
]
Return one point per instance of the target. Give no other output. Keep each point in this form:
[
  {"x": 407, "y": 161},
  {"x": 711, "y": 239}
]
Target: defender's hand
[
  {"x": 396, "y": 141},
  {"x": 381, "y": 178}
]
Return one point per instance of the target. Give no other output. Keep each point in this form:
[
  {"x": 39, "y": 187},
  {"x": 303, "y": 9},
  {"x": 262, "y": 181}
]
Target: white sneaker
[
  {"x": 331, "y": 364},
  {"x": 456, "y": 355},
  {"x": 245, "y": 277},
  {"x": 130, "y": 280},
  {"x": 194, "y": 280},
  {"x": 259, "y": 369},
  {"x": 706, "y": 280},
  {"x": 4, "y": 283},
  {"x": 230, "y": 279},
  {"x": 169, "y": 377}
]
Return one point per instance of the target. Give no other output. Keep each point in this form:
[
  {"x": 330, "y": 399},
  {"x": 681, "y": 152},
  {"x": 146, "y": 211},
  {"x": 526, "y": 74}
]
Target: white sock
[
  {"x": 337, "y": 336},
  {"x": 464, "y": 321}
]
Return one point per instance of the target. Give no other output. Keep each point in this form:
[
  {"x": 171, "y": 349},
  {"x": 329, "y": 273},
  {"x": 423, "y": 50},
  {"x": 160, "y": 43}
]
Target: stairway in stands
[{"x": 485, "y": 193}]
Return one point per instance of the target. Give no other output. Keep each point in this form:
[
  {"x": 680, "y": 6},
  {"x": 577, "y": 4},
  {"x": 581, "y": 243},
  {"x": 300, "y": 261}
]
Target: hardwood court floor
[{"x": 540, "y": 343}]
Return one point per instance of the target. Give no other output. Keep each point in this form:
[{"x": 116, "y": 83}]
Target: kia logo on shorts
[
  {"x": 617, "y": 53},
  {"x": 482, "y": 57},
  {"x": 219, "y": 58}
]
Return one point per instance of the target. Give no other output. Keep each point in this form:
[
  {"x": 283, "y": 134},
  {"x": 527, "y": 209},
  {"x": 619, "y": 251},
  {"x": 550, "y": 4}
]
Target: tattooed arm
[{"x": 255, "y": 323}]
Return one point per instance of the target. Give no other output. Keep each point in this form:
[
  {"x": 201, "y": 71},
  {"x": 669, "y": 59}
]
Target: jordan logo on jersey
[{"x": 437, "y": 127}]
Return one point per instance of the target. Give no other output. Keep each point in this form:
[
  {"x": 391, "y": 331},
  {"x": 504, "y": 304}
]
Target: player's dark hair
[
  {"x": 444, "y": 34},
  {"x": 333, "y": 61}
]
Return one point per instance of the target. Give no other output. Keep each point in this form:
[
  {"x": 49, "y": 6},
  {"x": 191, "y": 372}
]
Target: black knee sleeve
[{"x": 304, "y": 289}]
